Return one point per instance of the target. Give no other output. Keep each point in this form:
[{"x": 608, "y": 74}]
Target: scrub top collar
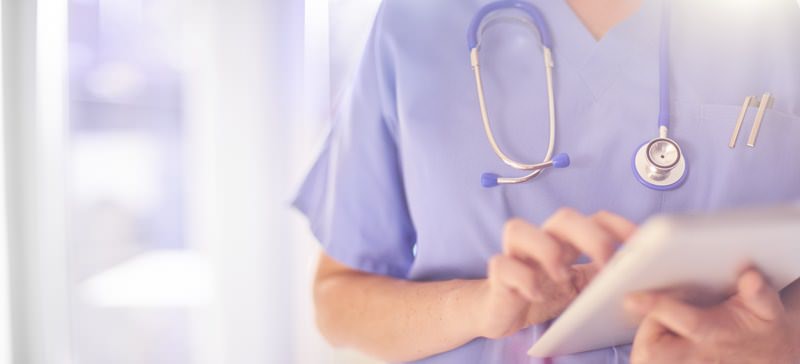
[{"x": 599, "y": 61}]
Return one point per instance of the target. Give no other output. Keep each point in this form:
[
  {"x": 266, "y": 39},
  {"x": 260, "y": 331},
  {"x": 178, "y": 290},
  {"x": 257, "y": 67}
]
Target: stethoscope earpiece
[
  {"x": 560, "y": 160},
  {"x": 489, "y": 180}
]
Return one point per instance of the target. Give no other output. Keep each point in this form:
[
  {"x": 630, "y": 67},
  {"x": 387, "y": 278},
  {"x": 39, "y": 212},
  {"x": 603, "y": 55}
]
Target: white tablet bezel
[{"x": 696, "y": 256}]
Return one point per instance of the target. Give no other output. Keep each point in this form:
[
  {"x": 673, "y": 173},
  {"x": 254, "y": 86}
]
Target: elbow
[{"x": 327, "y": 319}]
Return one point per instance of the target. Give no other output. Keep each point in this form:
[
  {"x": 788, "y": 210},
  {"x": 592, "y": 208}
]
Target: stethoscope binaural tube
[{"x": 559, "y": 161}]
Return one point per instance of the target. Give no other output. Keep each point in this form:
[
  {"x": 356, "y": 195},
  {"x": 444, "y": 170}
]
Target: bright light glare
[
  {"x": 120, "y": 167},
  {"x": 736, "y": 9},
  {"x": 155, "y": 279},
  {"x": 5, "y": 290}
]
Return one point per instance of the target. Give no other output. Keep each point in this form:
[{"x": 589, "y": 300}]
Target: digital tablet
[{"x": 697, "y": 257}]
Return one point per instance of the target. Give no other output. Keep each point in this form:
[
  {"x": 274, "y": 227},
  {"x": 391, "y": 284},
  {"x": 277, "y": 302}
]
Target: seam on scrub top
[
  {"x": 586, "y": 84},
  {"x": 381, "y": 53},
  {"x": 617, "y": 70},
  {"x": 718, "y": 111},
  {"x": 616, "y": 354},
  {"x": 602, "y": 92},
  {"x": 559, "y": 59}
]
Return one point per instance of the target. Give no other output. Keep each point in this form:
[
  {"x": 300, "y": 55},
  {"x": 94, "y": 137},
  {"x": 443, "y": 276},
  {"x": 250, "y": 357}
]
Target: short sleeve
[{"x": 353, "y": 196}]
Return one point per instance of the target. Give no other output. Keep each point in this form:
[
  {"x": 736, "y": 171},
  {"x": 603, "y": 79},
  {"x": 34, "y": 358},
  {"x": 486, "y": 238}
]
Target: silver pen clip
[
  {"x": 766, "y": 102},
  {"x": 748, "y": 101}
]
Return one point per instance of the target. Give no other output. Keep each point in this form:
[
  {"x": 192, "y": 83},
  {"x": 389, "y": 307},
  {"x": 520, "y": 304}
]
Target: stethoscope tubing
[
  {"x": 548, "y": 60},
  {"x": 473, "y": 41}
]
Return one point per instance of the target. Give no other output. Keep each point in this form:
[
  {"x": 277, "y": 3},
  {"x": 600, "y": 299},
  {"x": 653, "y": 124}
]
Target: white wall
[{"x": 34, "y": 63}]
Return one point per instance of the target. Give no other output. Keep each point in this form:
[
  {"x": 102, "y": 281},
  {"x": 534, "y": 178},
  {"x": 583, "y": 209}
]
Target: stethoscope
[{"x": 658, "y": 163}]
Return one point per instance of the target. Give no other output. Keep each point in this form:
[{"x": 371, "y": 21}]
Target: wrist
[
  {"x": 794, "y": 339},
  {"x": 470, "y": 304},
  {"x": 787, "y": 350}
]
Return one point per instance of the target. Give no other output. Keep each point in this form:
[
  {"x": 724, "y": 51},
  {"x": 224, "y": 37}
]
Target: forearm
[
  {"x": 397, "y": 320},
  {"x": 790, "y": 296}
]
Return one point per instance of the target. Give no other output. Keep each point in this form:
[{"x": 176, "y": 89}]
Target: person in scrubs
[{"x": 422, "y": 264}]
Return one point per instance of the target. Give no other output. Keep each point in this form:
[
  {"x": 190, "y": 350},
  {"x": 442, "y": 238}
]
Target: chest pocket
[{"x": 722, "y": 177}]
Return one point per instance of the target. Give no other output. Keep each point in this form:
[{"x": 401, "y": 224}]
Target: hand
[
  {"x": 533, "y": 280},
  {"x": 750, "y": 327}
]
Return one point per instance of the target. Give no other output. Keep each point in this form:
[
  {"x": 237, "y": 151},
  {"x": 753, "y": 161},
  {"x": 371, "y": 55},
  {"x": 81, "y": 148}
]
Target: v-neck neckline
[{"x": 599, "y": 61}]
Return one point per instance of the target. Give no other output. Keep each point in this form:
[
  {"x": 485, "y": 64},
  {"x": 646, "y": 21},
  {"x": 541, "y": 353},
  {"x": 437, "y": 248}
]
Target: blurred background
[{"x": 151, "y": 149}]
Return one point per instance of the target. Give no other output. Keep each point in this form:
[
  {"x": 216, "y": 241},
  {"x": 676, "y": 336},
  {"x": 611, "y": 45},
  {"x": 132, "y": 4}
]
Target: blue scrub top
[{"x": 396, "y": 188}]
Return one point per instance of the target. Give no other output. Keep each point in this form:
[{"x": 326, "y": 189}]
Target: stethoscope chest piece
[{"x": 659, "y": 164}]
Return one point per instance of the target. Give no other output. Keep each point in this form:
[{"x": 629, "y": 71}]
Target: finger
[
  {"x": 528, "y": 243},
  {"x": 654, "y": 343},
  {"x": 618, "y": 226},
  {"x": 571, "y": 227},
  {"x": 758, "y": 296},
  {"x": 515, "y": 276},
  {"x": 635, "y": 308},
  {"x": 649, "y": 332},
  {"x": 682, "y": 319},
  {"x": 583, "y": 274}
]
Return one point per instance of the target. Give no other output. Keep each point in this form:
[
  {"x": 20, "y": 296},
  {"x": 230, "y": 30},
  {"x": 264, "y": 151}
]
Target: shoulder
[
  {"x": 422, "y": 20},
  {"x": 410, "y": 11},
  {"x": 764, "y": 17},
  {"x": 745, "y": 29}
]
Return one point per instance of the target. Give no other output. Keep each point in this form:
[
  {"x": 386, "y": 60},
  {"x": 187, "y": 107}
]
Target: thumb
[
  {"x": 678, "y": 317},
  {"x": 758, "y": 296}
]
